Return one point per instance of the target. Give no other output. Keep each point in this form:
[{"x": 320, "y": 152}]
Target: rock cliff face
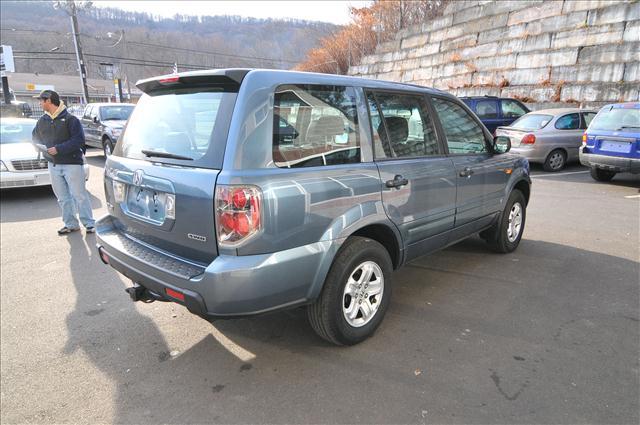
[{"x": 554, "y": 51}]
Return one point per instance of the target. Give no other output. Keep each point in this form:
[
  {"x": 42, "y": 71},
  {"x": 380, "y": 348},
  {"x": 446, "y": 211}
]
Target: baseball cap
[{"x": 48, "y": 94}]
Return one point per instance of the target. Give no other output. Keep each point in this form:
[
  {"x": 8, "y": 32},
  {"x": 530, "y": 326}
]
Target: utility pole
[
  {"x": 70, "y": 7},
  {"x": 124, "y": 70}
]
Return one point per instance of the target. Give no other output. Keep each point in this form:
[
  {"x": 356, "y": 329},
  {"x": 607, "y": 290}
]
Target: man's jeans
[{"x": 67, "y": 181}]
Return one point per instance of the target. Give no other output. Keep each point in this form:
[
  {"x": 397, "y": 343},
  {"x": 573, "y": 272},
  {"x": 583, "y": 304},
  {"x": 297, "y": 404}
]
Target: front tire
[
  {"x": 107, "y": 147},
  {"x": 356, "y": 293},
  {"x": 505, "y": 235},
  {"x": 601, "y": 175}
]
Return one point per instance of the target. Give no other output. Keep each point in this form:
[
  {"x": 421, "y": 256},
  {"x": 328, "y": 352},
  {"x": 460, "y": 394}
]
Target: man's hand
[{"x": 52, "y": 151}]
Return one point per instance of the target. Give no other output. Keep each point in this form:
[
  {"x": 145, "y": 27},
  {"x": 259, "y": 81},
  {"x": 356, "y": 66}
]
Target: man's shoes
[
  {"x": 66, "y": 230},
  {"x": 90, "y": 229}
]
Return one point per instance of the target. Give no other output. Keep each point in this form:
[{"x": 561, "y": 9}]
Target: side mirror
[
  {"x": 501, "y": 144},
  {"x": 96, "y": 120}
]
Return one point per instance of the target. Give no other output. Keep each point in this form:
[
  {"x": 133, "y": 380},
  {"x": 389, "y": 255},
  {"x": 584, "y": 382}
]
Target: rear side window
[
  {"x": 179, "y": 127},
  {"x": 617, "y": 119},
  {"x": 568, "y": 122},
  {"x": 512, "y": 109},
  {"x": 464, "y": 135},
  {"x": 402, "y": 126},
  {"x": 588, "y": 117},
  {"x": 315, "y": 125},
  {"x": 487, "y": 109}
]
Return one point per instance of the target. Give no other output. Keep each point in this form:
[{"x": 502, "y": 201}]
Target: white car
[{"x": 20, "y": 164}]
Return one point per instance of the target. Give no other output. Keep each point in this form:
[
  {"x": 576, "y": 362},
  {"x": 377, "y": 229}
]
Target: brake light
[
  {"x": 169, "y": 80},
  {"x": 529, "y": 139},
  {"x": 238, "y": 213},
  {"x": 584, "y": 139}
]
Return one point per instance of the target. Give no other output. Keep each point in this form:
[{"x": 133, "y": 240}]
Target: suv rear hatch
[
  {"x": 615, "y": 131},
  {"x": 160, "y": 180}
]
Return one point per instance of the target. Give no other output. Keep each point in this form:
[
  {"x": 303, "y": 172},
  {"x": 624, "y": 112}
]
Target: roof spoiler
[{"x": 226, "y": 79}]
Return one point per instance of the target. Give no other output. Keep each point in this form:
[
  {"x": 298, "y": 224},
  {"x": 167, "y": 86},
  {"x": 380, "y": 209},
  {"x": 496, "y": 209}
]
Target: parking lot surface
[{"x": 547, "y": 334}]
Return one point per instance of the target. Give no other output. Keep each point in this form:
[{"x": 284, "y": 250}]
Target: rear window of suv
[
  {"x": 532, "y": 122},
  {"x": 188, "y": 127},
  {"x": 617, "y": 119}
]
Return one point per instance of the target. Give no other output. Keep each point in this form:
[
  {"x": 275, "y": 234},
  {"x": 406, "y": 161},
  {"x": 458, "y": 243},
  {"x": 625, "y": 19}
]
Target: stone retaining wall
[{"x": 554, "y": 51}]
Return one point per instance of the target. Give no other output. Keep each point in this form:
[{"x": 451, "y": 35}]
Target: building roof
[{"x": 66, "y": 85}]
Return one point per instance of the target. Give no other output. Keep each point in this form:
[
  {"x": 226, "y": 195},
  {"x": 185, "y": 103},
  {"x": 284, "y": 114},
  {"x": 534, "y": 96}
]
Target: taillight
[
  {"x": 238, "y": 213},
  {"x": 584, "y": 139},
  {"x": 529, "y": 139}
]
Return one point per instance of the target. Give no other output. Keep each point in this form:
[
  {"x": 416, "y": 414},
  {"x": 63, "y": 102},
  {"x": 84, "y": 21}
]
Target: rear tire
[
  {"x": 556, "y": 160},
  {"x": 107, "y": 147},
  {"x": 355, "y": 295},
  {"x": 601, "y": 175},
  {"x": 505, "y": 235}
]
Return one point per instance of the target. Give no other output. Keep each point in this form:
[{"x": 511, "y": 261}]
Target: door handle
[
  {"x": 466, "y": 172},
  {"x": 397, "y": 181}
]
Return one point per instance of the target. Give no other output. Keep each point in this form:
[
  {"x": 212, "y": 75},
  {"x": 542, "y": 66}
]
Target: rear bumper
[
  {"x": 611, "y": 163},
  {"x": 533, "y": 153},
  {"x": 230, "y": 286},
  {"x": 10, "y": 179}
]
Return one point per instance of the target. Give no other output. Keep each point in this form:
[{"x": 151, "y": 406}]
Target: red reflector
[
  {"x": 175, "y": 294},
  {"x": 169, "y": 80}
]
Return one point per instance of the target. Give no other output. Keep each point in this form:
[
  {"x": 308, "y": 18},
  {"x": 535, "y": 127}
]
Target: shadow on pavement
[
  {"x": 466, "y": 328},
  {"x": 32, "y": 204}
]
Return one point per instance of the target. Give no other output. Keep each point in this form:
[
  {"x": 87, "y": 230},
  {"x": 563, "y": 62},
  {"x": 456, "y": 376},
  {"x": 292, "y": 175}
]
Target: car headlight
[
  {"x": 116, "y": 132},
  {"x": 3, "y": 167}
]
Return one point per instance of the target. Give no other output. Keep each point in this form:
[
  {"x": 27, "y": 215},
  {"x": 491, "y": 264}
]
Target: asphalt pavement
[{"x": 547, "y": 334}]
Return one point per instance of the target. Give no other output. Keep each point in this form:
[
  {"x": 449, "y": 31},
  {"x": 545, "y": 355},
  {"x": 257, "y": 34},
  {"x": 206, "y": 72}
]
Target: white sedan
[{"x": 20, "y": 164}]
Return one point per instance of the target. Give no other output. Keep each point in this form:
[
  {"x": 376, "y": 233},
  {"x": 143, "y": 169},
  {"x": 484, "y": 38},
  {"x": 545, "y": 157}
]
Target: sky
[{"x": 333, "y": 11}]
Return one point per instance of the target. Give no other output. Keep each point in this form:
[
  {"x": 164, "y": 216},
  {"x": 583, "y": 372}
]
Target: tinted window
[
  {"x": 16, "y": 131},
  {"x": 403, "y": 127},
  {"x": 314, "y": 126},
  {"x": 617, "y": 119},
  {"x": 588, "y": 117},
  {"x": 121, "y": 112},
  {"x": 463, "y": 133},
  {"x": 568, "y": 122},
  {"x": 178, "y": 123},
  {"x": 512, "y": 109},
  {"x": 487, "y": 109},
  {"x": 532, "y": 122},
  {"x": 87, "y": 112}
]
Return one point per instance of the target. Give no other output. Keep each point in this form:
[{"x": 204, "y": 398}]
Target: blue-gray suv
[{"x": 239, "y": 192}]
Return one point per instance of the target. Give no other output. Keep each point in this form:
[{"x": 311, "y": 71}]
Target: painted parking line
[
  {"x": 560, "y": 174},
  {"x": 632, "y": 196}
]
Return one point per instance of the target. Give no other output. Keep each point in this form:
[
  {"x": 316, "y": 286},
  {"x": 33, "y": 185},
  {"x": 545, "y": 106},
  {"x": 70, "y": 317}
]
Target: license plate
[
  {"x": 622, "y": 147},
  {"x": 146, "y": 203}
]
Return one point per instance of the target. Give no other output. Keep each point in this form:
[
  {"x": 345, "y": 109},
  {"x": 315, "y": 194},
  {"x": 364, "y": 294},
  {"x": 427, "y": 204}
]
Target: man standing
[{"x": 63, "y": 136}]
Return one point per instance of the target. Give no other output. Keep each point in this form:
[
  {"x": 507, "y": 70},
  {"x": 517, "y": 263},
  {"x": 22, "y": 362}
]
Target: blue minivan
[
  {"x": 611, "y": 144},
  {"x": 495, "y": 111},
  {"x": 240, "y": 192}
]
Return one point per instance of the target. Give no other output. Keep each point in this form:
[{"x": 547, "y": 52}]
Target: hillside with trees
[{"x": 141, "y": 45}]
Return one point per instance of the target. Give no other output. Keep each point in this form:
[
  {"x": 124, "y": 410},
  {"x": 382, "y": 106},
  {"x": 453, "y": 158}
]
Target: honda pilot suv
[{"x": 239, "y": 192}]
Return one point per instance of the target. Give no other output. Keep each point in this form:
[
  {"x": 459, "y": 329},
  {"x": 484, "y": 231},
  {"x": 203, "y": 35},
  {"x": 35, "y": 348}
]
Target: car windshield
[
  {"x": 16, "y": 131},
  {"x": 115, "y": 112},
  {"x": 617, "y": 119},
  {"x": 531, "y": 121}
]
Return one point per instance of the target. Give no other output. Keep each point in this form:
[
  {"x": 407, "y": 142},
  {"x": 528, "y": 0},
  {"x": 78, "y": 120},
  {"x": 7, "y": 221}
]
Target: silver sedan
[{"x": 550, "y": 137}]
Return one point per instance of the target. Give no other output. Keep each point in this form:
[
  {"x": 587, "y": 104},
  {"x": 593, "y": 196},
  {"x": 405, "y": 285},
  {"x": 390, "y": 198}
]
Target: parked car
[
  {"x": 611, "y": 144},
  {"x": 211, "y": 207},
  {"x": 496, "y": 111},
  {"x": 21, "y": 165},
  {"x": 103, "y": 123},
  {"x": 550, "y": 137}
]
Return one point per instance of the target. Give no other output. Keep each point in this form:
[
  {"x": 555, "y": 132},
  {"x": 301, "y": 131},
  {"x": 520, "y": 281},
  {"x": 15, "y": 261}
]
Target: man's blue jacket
[{"x": 65, "y": 133}]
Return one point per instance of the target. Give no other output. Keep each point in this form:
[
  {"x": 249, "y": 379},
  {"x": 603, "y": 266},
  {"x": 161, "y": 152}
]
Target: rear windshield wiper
[{"x": 149, "y": 154}]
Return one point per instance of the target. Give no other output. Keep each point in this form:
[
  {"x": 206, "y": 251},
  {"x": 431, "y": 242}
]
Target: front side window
[
  {"x": 487, "y": 109},
  {"x": 464, "y": 135},
  {"x": 568, "y": 122},
  {"x": 315, "y": 125},
  {"x": 402, "y": 126},
  {"x": 512, "y": 109}
]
